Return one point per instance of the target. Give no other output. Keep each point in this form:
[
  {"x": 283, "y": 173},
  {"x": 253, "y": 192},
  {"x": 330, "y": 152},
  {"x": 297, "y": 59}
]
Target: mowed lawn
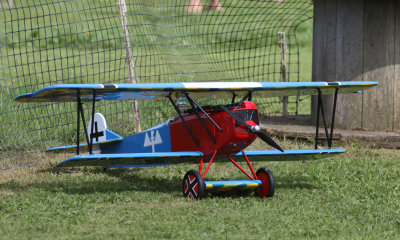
[{"x": 352, "y": 196}]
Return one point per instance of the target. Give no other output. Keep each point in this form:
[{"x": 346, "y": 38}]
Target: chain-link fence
[{"x": 46, "y": 42}]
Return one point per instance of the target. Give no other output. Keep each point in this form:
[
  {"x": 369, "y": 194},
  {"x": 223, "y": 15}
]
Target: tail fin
[
  {"x": 97, "y": 132},
  {"x": 99, "y": 136},
  {"x": 100, "y": 131}
]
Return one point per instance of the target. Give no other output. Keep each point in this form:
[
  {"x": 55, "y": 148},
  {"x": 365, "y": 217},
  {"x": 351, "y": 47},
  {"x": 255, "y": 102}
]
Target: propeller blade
[
  {"x": 268, "y": 140},
  {"x": 254, "y": 129}
]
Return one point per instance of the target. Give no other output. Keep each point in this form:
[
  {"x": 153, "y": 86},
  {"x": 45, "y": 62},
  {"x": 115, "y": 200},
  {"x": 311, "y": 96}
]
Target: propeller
[{"x": 254, "y": 129}]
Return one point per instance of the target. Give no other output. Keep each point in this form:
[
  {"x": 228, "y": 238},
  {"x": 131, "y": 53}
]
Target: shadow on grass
[
  {"x": 95, "y": 180},
  {"x": 88, "y": 180}
]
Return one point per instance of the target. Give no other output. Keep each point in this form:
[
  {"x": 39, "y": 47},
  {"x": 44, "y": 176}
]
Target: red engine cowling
[{"x": 233, "y": 138}]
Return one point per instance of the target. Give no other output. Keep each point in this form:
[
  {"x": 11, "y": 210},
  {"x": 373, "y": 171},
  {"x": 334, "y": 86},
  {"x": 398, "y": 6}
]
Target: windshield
[{"x": 246, "y": 115}]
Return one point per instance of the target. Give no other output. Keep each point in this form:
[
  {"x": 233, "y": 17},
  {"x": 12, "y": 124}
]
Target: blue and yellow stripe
[{"x": 221, "y": 186}]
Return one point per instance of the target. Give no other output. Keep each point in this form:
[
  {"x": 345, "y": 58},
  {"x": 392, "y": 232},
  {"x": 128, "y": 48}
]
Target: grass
[{"x": 354, "y": 196}]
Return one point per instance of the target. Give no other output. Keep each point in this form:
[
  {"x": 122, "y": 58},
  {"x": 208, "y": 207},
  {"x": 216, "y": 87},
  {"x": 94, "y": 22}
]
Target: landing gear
[
  {"x": 193, "y": 185},
  {"x": 267, "y": 187}
]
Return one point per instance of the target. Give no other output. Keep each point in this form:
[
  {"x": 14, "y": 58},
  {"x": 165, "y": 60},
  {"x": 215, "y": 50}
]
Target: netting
[{"x": 46, "y": 42}]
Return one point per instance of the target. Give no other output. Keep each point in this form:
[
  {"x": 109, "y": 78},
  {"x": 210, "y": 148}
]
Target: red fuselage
[{"x": 233, "y": 138}]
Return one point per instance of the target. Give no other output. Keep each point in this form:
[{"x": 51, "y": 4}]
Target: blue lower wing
[
  {"x": 166, "y": 158},
  {"x": 132, "y": 159},
  {"x": 291, "y": 155}
]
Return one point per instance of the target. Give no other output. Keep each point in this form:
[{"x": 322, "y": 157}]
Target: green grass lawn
[{"x": 353, "y": 196}]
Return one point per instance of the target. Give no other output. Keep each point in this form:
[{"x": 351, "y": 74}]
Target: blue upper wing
[{"x": 71, "y": 92}]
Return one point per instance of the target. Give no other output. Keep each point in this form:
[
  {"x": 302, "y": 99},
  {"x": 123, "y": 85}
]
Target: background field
[
  {"x": 353, "y": 196},
  {"x": 50, "y": 42}
]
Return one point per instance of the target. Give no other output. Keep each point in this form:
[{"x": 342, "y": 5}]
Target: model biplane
[{"x": 199, "y": 134}]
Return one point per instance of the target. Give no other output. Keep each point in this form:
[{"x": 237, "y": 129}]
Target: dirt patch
[{"x": 300, "y": 127}]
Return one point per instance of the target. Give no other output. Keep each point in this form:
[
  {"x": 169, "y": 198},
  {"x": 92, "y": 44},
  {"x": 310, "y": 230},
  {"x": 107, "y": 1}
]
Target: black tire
[
  {"x": 193, "y": 185},
  {"x": 267, "y": 188}
]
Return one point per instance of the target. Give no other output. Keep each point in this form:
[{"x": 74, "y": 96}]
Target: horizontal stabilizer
[
  {"x": 159, "y": 91},
  {"x": 110, "y": 137},
  {"x": 132, "y": 159},
  {"x": 291, "y": 155}
]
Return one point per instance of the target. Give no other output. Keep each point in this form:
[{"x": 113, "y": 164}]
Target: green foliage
[{"x": 354, "y": 196}]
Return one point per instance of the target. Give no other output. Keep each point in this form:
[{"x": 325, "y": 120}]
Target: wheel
[
  {"x": 193, "y": 185},
  {"x": 267, "y": 188}
]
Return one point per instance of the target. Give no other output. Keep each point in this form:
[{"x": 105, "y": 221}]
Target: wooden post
[
  {"x": 379, "y": 48},
  {"x": 358, "y": 40},
  {"x": 324, "y": 52},
  {"x": 9, "y": 4},
  {"x": 396, "y": 87},
  {"x": 349, "y": 64},
  {"x": 129, "y": 61},
  {"x": 283, "y": 45}
]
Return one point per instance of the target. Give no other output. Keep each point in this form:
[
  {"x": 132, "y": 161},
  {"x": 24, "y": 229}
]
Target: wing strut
[
  {"x": 92, "y": 124},
  {"x": 183, "y": 120},
  {"x": 199, "y": 117},
  {"x": 80, "y": 113},
  {"x": 204, "y": 112},
  {"x": 234, "y": 95},
  {"x": 320, "y": 109},
  {"x": 248, "y": 96}
]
